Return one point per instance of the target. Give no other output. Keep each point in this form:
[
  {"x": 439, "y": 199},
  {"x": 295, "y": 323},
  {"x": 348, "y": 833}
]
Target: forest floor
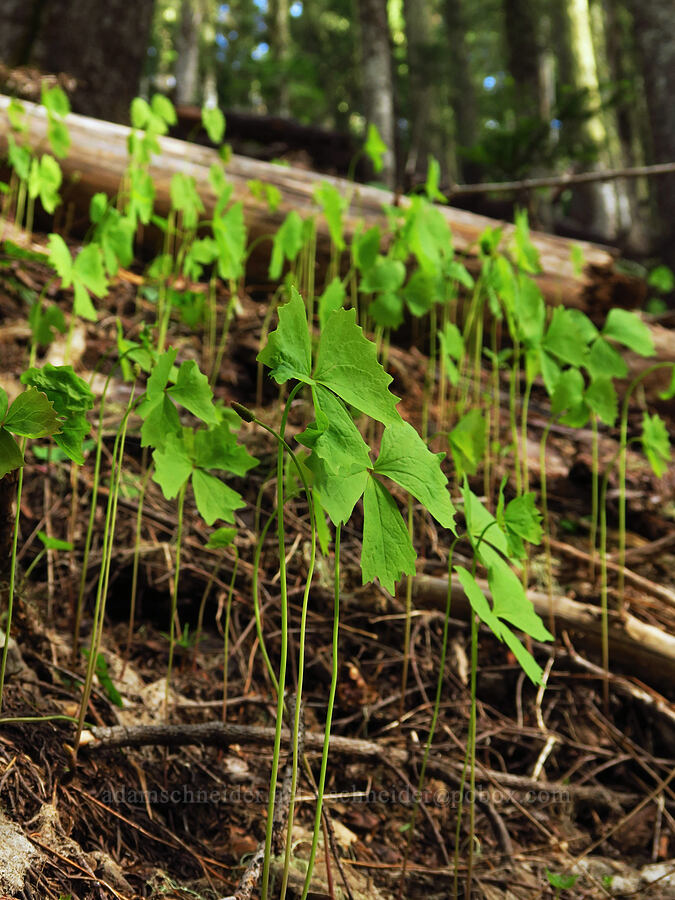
[{"x": 564, "y": 781}]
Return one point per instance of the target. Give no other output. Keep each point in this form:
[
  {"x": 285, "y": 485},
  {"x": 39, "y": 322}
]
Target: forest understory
[{"x": 575, "y": 780}]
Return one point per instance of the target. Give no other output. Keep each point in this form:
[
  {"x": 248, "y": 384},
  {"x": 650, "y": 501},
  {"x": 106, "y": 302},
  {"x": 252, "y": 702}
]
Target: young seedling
[
  {"x": 182, "y": 455},
  {"x": 345, "y": 370},
  {"x": 31, "y": 415}
]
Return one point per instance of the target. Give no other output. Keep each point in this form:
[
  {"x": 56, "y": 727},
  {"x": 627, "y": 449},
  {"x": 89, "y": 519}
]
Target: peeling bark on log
[{"x": 98, "y": 159}]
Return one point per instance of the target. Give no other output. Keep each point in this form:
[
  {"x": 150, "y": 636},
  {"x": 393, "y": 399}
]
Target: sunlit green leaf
[
  {"x": 564, "y": 339},
  {"x": 332, "y": 298},
  {"x": 656, "y": 443},
  {"x": 214, "y": 498},
  {"x": 387, "y": 310},
  {"x": 217, "y": 448},
  {"x": 60, "y": 258},
  {"x": 602, "y": 399},
  {"x": 366, "y": 247},
  {"x": 387, "y": 552},
  {"x": 406, "y": 459},
  {"x": 287, "y": 243},
  {"x": 628, "y": 329},
  {"x": 33, "y": 415},
  {"x": 221, "y": 538},
  {"x": 52, "y": 543},
  {"x": 333, "y": 205},
  {"x": 604, "y": 361},
  {"x": 10, "y": 455},
  {"x": 431, "y": 186},
  {"x": 334, "y": 437},
  {"x": 468, "y": 442},
  {"x": 375, "y": 148},
  {"x": 72, "y": 398},
  {"x": 522, "y": 522},
  {"x": 213, "y": 121},
  {"x": 339, "y": 492},
  {"x": 288, "y": 351},
  {"x": 347, "y": 363},
  {"x": 192, "y": 390},
  {"x": 173, "y": 466}
]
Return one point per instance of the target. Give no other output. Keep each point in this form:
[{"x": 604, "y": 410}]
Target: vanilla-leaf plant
[{"x": 183, "y": 455}]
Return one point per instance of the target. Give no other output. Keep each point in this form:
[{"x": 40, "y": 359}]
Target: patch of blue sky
[{"x": 261, "y": 50}]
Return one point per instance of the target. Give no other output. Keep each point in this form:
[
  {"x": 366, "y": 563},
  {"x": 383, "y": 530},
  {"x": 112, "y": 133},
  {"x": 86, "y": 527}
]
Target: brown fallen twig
[
  {"x": 638, "y": 581},
  {"x": 223, "y": 734},
  {"x": 642, "y": 694},
  {"x": 648, "y": 551}
]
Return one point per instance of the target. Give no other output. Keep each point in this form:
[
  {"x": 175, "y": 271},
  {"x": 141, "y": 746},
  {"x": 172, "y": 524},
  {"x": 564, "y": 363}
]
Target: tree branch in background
[{"x": 529, "y": 184}]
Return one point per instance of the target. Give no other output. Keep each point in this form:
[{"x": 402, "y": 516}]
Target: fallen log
[
  {"x": 640, "y": 649},
  {"x": 98, "y": 158}
]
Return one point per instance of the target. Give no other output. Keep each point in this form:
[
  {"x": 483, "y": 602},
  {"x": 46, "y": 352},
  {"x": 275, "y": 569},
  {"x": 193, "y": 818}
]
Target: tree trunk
[
  {"x": 655, "y": 41},
  {"x": 187, "y": 48},
  {"x": 631, "y": 229},
  {"x": 600, "y": 206},
  {"x": 461, "y": 87},
  {"x": 18, "y": 17},
  {"x": 522, "y": 28},
  {"x": 424, "y": 103},
  {"x": 378, "y": 92},
  {"x": 100, "y": 43},
  {"x": 279, "y": 46}
]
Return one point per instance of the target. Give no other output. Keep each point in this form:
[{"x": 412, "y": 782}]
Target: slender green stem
[
  {"x": 434, "y": 719},
  {"x": 523, "y": 434},
  {"x": 284, "y": 639},
  {"x": 311, "y": 263},
  {"x": 513, "y": 412},
  {"x": 408, "y": 620},
  {"x": 298, "y": 698},
  {"x": 226, "y": 632},
  {"x": 90, "y": 525},
  {"x": 264, "y": 329},
  {"x": 547, "y": 534},
  {"x": 430, "y": 376},
  {"x": 30, "y": 215},
  {"x": 174, "y": 597},
  {"x": 211, "y": 325},
  {"x": 329, "y": 717},
  {"x": 495, "y": 419},
  {"x": 12, "y": 578},
  {"x": 163, "y": 301},
  {"x": 215, "y": 571},
  {"x": 17, "y": 720},
  {"x": 256, "y": 601},
  {"x": 104, "y": 572},
  {"x": 623, "y": 448},
  {"x": 36, "y": 562},
  {"x": 604, "y": 614},
  {"x": 526, "y": 468},
  {"x": 224, "y": 334},
  {"x": 137, "y": 560},
  {"x": 443, "y": 374},
  {"x": 472, "y": 751},
  {"x": 478, "y": 349},
  {"x": 595, "y": 488}
]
